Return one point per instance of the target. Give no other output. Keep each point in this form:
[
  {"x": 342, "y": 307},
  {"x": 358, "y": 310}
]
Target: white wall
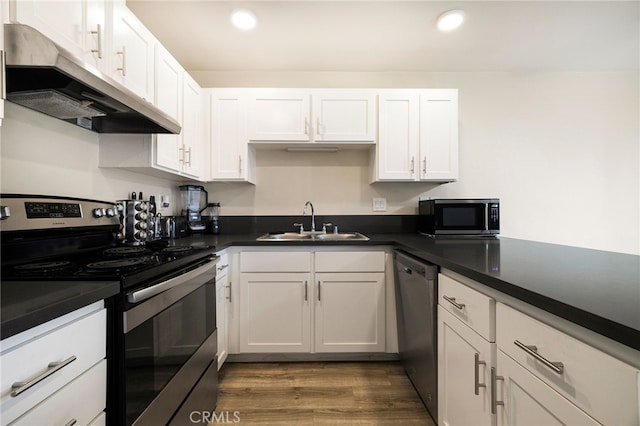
[{"x": 561, "y": 151}]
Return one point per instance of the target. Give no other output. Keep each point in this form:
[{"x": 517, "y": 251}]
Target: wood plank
[{"x": 320, "y": 393}]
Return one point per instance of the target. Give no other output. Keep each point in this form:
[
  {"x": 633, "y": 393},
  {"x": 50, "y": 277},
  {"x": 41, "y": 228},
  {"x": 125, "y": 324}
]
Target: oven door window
[
  {"x": 158, "y": 348},
  {"x": 464, "y": 217}
]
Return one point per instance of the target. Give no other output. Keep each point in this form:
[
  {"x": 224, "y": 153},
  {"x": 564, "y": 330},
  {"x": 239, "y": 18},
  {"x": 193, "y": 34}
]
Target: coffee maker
[{"x": 194, "y": 201}]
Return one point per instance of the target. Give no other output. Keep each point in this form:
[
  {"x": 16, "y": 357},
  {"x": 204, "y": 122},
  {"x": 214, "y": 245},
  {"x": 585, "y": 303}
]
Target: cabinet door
[
  {"x": 231, "y": 158},
  {"x": 95, "y": 47},
  {"x": 168, "y": 97},
  {"x": 350, "y": 312},
  {"x": 344, "y": 116},
  {"x": 529, "y": 401},
  {"x": 61, "y": 21},
  {"x": 463, "y": 381},
  {"x": 398, "y": 139},
  {"x": 279, "y": 115},
  {"x": 275, "y": 313},
  {"x": 131, "y": 56},
  {"x": 222, "y": 288},
  {"x": 439, "y": 135},
  {"x": 192, "y": 128}
]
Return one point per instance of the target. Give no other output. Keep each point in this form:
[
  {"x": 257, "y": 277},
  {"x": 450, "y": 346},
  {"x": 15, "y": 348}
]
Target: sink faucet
[{"x": 313, "y": 215}]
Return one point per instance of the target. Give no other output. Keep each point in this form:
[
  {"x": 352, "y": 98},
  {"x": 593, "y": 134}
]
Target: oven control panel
[{"x": 31, "y": 212}]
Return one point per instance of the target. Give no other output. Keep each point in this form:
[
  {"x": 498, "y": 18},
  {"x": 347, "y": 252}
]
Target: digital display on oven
[{"x": 52, "y": 210}]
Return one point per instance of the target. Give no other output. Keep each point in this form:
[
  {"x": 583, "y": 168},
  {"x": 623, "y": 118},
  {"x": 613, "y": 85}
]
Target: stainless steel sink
[{"x": 315, "y": 236}]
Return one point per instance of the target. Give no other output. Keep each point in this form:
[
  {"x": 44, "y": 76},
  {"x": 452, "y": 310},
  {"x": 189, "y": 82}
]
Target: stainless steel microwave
[{"x": 472, "y": 217}]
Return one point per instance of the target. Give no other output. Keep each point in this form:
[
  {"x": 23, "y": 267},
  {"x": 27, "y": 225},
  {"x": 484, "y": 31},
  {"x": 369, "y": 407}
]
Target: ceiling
[{"x": 392, "y": 36}]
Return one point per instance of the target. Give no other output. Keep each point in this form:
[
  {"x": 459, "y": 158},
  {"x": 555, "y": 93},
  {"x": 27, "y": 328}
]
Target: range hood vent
[{"x": 43, "y": 76}]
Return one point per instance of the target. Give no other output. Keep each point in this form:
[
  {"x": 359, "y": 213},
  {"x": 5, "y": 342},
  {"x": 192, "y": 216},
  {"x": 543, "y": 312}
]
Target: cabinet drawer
[
  {"x": 84, "y": 339},
  {"x": 222, "y": 268},
  {"x": 471, "y": 307},
  {"x": 589, "y": 378},
  {"x": 262, "y": 261},
  {"x": 350, "y": 261},
  {"x": 81, "y": 400}
]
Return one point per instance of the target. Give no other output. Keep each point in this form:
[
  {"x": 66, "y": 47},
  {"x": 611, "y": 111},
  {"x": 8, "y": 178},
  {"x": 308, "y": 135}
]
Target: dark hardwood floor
[{"x": 319, "y": 393}]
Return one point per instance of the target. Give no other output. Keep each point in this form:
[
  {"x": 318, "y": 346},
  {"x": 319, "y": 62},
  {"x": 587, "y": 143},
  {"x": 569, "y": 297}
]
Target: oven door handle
[{"x": 147, "y": 293}]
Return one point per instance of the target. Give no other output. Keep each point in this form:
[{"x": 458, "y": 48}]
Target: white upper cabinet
[
  {"x": 439, "y": 135},
  {"x": 132, "y": 51},
  {"x": 168, "y": 96},
  {"x": 232, "y": 159},
  {"x": 418, "y": 136},
  {"x": 78, "y": 26},
  {"x": 297, "y": 115},
  {"x": 344, "y": 115},
  {"x": 279, "y": 115},
  {"x": 193, "y": 141}
]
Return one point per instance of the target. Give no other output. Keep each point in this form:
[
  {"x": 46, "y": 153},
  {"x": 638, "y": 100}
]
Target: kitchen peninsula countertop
[{"x": 595, "y": 289}]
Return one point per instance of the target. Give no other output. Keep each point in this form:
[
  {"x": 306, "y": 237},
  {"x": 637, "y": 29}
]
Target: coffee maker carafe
[{"x": 194, "y": 201}]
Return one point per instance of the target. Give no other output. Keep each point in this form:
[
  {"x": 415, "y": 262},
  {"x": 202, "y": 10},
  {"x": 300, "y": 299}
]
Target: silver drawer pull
[
  {"x": 494, "y": 391},
  {"x": 71, "y": 422},
  {"x": 223, "y": 267},
  {"x": 452, "y": 300},
  {"x": 558, "y": 367},
  {"x": 476, "y": 368},
  {"x": 52, "y": 368}
]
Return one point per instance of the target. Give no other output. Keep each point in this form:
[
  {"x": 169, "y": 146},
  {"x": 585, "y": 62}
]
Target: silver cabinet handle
[
  {"x": 413, "y": 161},
  {"x": 494, "y": 386},
  {"x": 181, "y": 154},
  {"x": 240, "y": 164},
  {"x": 319, "y": 291},
  {"x": 424, "y": 165},
  {"x": 71, "y": 422},
  {"x": 188, "y": 151},
  {"x": 229, "y": 287},
  {"x": 223, "y": 267},
  {"x": 306, "y": 291},
  {"x": 123, "y": 68},
  {"x": 452, "y": 300},
  {"x": 306, "y": 125},
  {"x": 532, "y": 350},
  {"x": 98, "y": 33},
  {"x": 476, "y": 367},
  {"x": 52, "y": 368}
]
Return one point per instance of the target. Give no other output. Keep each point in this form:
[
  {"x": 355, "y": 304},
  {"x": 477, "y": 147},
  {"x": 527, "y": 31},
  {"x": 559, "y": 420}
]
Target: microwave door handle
[{"x": 486, "y": 217}]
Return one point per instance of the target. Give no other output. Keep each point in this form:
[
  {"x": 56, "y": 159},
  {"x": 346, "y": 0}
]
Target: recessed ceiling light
[
  {"x": 244, "y": 19},
  {"x": 450, "y": 20}
]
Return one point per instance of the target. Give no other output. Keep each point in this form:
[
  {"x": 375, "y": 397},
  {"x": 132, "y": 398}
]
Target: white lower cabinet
[
  {"x": 350, "y": 312},
  {"x": 76, "y": 403},
  {"x": 523, "y": 399},
  {"x": 464, "y": 364},
  {"x": 305, "y": 301},
  {"x": 534, "y": 374},
  {"x": 275, "y": 313},
  {"x": 55, "y": 372}
]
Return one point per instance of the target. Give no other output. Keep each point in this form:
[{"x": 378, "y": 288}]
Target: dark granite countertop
[
  {"x": 26, "y": 304},
  {"x": 595, "y": 289}
]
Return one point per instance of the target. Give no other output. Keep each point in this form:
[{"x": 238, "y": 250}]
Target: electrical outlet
[{"x": 379, "y": 204}]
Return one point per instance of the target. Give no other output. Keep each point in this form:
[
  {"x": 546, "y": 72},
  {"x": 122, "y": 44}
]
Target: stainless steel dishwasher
[{"x": 416, "y": 301}]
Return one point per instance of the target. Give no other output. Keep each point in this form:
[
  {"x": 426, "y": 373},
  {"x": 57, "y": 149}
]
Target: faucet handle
[
  {"x": 324, "y": 227},
  {"x": 301, "y": 227}
]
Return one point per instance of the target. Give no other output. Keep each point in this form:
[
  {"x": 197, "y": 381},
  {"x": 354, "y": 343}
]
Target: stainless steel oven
[
  {"x": 170, "y": 344},
  {"x": 161, "y": 349}
]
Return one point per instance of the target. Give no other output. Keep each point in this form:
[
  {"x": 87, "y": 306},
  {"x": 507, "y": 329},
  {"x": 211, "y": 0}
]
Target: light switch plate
[{"x": 379, "y": 204}]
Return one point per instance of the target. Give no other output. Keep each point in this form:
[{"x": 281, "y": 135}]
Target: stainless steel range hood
[{"x": 46, "y": 77}]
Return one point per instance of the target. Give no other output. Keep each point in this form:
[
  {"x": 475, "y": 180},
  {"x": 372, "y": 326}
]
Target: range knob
[
  {"x": 112, "y": 212},
  {"x": 141, "y": 206},
  {"x": 141, "y": 235},
  {"x": 141, "y": 216},
  {"x": 141, "y": 225},
  {"x": 97, "y": 213}
]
